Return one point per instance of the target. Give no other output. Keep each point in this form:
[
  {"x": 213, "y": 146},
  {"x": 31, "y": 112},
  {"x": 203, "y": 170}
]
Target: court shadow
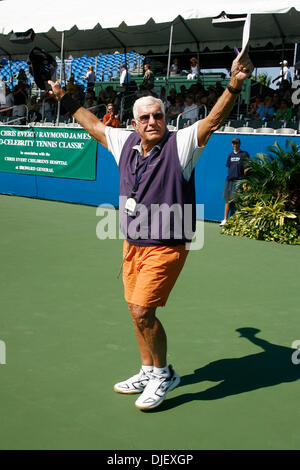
[{"x": 272, "y": 366}]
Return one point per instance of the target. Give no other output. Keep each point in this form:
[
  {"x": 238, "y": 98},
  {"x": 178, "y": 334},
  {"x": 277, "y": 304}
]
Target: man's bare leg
[
  {"x": 150, "y": 335},
  {"x": 226, "y": 210}
]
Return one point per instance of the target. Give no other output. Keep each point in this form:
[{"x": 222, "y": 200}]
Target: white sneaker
[
  {"x": 156, "y": 390},
  {"x": 135, "y": 384},
  {"x": 223, "y": 222}
]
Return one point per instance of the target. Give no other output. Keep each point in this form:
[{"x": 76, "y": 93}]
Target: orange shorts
[{"x": 150, "y": 272}]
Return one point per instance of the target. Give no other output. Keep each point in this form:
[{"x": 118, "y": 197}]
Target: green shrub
[{"x": 267, "y": 221}]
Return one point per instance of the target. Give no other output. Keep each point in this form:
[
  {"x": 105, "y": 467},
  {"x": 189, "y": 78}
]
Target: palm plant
[{"x": 273, "y": 175}]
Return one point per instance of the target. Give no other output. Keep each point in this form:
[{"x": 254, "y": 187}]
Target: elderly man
[{"x": 156, "y": 168}]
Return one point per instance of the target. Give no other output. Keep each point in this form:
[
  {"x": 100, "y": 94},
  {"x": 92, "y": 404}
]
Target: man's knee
[{"x": 143, "y": 317}]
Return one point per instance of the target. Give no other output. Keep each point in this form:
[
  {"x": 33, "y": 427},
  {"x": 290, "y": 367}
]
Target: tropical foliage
[{"x": 268, "y": 200}]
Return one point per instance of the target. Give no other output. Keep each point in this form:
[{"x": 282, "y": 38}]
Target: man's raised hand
[
  {"x": 242, "y": 66},
  {"x": 57, "y": 90}
]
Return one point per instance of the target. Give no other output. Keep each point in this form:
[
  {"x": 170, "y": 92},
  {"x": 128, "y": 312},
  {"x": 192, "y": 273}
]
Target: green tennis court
[{"x": 68, "y": 338}]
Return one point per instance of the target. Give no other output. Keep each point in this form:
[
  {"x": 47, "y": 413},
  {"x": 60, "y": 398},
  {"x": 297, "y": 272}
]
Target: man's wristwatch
[{"x": 232, "y": 90}]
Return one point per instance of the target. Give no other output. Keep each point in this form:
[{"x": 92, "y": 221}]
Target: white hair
[{"x": 147, "y": 101}]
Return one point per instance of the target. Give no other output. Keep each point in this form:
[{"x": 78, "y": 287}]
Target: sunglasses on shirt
[{"x": 145, "y": 117}]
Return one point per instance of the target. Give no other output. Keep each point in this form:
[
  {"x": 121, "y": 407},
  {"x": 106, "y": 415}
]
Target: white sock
[
  {"x": 165, "y": 371},
  {"x": 147, "y": 369}
]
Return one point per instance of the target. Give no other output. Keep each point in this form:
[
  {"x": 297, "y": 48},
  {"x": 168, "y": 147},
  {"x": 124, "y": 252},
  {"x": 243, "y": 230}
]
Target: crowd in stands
[
  {"x": 278, "y": 106},
  {"x": 107, "y": 105}
]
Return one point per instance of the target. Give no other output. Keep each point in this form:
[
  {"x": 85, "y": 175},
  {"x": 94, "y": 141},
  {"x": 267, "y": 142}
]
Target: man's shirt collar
[{"x": 157, "y": 146}]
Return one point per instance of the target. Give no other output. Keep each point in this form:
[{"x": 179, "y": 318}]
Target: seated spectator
[
  {"x": 194, "y": 71},
  {"x": 212, "y": 98},
  {"x": 284, "y": 112},
  {"x": 266, "y": 111},
  {"x": 172, "y": 95},
  {"x": 257, "y": 103},
  {"x": 102, "y": 97},
  {"x": 174, "y": 69},
  {"x": 174, "y": 110},
  {"x": 163, "y": 97},
  {"x": 183, "y": 90},
  {"x": 110, "y": 118},
  {"x": 110, "y": 93},
  {"x": 190, "y": 109},
  {"x": 276, "y": 101}
]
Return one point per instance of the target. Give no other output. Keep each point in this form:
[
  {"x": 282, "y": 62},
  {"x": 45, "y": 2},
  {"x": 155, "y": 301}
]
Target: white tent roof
[{"x": 92, "y": 27}]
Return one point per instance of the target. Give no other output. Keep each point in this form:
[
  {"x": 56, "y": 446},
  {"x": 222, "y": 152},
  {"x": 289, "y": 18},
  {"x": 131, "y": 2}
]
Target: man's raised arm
[
  {"x": 241, "y": 69},
  {"x": 86, "y": 119}
]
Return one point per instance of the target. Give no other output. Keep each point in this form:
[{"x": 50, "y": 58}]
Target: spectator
[
  {"x": 71, "y": 86},
  {"x": 284, "y": 75},
  {"x": 194, "y": 71},
  {"x": 266, "y": 111},
  {"x": 20, "y": 100},
  {"x": 90, "y": 77},
  {"x": 174, "y": 110},
  {"x": 148, "y": 80},
  {"x": 276, "y": 101},
  {"x": 174, "y": 69},
  {"x": 9, "y": 101},
  {"x": 183, "y": 90},
  {"x": 236, "y": 164},
  {"x": 163, "y": 97},
  {"x": 257, "y": 103},
  {"x": 284, "y": 112},
  {"x": 190, "y": 109},
  {"x": 22, "y": 77},
  {"x": 172, "y": 95},
  {"x": 125, "y": 77},
  {"x": 212, "y": 97},
  {"x": 110, "y": 118}
]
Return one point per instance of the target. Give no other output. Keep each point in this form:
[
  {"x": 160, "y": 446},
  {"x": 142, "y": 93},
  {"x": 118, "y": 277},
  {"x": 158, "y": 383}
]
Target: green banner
[{"x": 45, "y": 151}]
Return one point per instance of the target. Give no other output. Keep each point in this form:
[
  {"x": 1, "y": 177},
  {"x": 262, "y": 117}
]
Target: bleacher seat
[
  {"x": 264, "y": 130},
  {"x": 286, "y": 130},
  {"x": 228, "y": 129},
  {"x": 244, "y": 130}
]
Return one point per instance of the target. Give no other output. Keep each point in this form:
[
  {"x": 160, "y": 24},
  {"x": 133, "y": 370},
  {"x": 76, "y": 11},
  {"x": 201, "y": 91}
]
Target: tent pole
[
  {"x": 169, "y": 61},
  {"x": 295, "y": 60},
  {"x": 60, "y": 73}
]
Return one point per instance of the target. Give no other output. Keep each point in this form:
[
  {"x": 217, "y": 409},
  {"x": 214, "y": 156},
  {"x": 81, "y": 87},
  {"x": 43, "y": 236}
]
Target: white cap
[{"x": 284, "y": 62}]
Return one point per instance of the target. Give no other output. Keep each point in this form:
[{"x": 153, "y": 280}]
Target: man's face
[
  {"x": 151, "y": 124},
  {"x": 110, "y": 109},
  {"x": 236, "y": 146}
]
